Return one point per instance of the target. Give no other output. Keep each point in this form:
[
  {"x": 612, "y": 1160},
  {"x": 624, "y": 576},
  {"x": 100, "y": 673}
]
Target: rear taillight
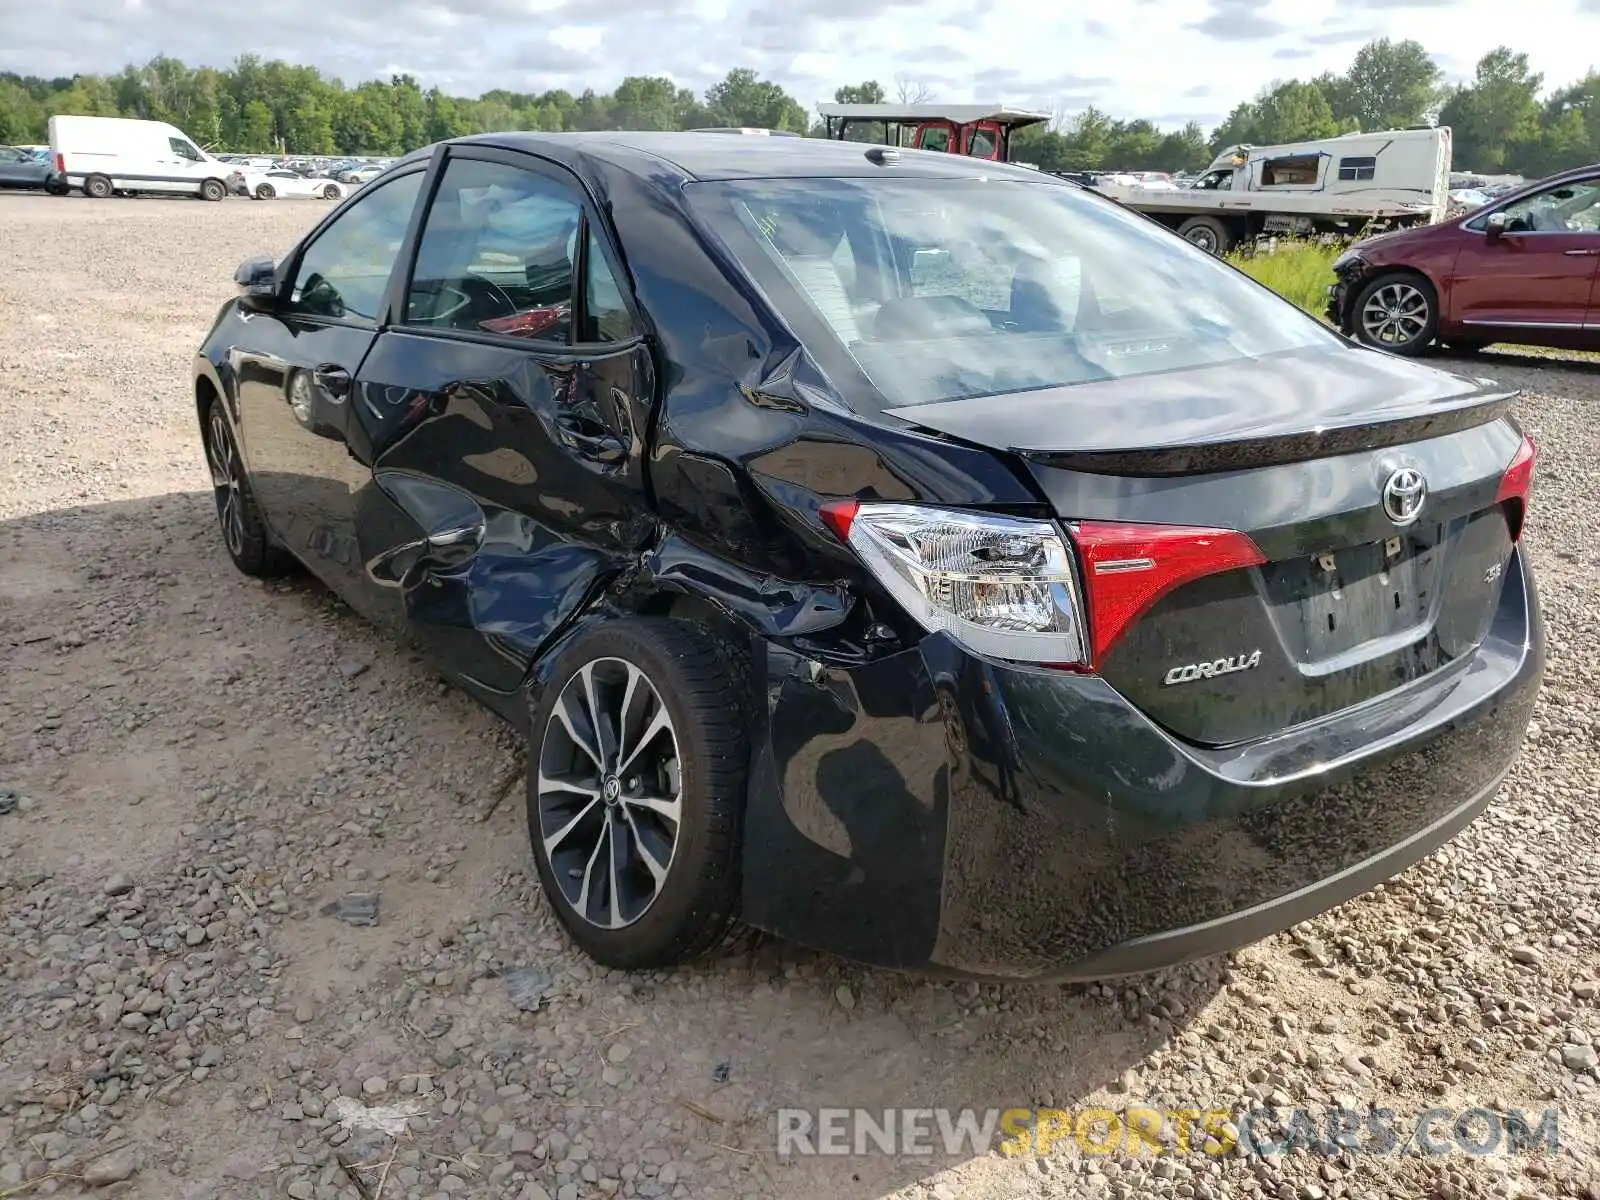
[
  {"x": 1002, "y": 586},
  {"x": 1515, "y": 486},
  {"x": 61, "y": 163},
  {"x": 1007, "y": 587},
  {"x": 1128, "y": 567}
]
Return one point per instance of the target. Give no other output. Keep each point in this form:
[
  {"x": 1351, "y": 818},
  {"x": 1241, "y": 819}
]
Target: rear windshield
[{"x": 948, "y": 289}]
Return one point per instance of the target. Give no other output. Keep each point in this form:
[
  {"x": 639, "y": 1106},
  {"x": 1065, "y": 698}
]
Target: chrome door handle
[{"x": 1581, "y": 253}]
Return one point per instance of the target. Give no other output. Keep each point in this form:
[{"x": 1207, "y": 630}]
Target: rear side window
[
  {"x": 944, "y": 289},
  {"x": 1358, "y": 168},
  {"x": 606, "y": 315}
]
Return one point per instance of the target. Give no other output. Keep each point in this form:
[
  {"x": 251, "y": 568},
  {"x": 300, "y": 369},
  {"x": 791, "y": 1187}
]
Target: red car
[{"x": 1523, "y": 268}]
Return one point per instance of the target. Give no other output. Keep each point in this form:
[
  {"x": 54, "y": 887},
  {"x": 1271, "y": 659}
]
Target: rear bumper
[
  {"x": 1191, "y": 942},
  {"x": 939, "y": 813}
]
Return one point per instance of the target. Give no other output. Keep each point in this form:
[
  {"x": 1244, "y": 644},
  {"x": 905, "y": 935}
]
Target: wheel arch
[
  {"x": 1399, "y": 269},
  {"x": 208, "y": 386},
  {"x": 637, "y": 595}
]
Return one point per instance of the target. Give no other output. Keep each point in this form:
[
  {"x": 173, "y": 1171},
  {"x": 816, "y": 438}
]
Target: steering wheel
[
  {"x": 487, "y": 288},
  {"x": 482, "y": 297}
]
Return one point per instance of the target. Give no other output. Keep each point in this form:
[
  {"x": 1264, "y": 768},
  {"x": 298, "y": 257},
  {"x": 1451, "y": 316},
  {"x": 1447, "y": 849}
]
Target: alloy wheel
[
  {"x": 227, "y": 482},
  {"x": 609, "y": 793},
  {"x": 1395, "y": 314}
]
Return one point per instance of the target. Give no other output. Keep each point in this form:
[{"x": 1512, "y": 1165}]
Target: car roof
[{"x": 713, "y": 156}]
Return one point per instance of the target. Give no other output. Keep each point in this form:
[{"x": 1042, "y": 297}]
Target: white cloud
[
  {"x": 580, "y": 39},
  {"x": 1163, "y": 59}
]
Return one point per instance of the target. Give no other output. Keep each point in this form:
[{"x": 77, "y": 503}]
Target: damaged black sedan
[{"x": 919, "y": 558}]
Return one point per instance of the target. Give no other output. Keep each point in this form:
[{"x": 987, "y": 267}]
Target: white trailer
[{"x": 1335, "y": 185}]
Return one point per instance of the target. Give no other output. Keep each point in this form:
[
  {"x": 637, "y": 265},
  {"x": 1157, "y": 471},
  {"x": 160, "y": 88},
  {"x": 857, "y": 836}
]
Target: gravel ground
[{"x": 194, "y": 767}]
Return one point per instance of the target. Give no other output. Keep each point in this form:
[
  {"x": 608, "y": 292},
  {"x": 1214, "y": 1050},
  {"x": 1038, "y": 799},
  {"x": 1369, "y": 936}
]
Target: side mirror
[
  {"x": 1494, "y": 225},
  {"x": 257, "y": 280}
]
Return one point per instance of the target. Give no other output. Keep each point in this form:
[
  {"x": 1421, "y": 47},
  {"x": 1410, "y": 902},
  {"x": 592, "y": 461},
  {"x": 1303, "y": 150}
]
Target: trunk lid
[{"x": 1296, "y": 452}]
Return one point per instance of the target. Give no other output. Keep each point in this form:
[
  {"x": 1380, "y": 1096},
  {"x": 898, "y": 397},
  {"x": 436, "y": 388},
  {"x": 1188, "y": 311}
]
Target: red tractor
[{"x": 976, "y": 130}]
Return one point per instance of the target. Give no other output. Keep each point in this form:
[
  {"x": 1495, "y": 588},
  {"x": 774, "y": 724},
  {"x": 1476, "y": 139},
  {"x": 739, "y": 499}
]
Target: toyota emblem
[{"x": 1403, "y": 495}]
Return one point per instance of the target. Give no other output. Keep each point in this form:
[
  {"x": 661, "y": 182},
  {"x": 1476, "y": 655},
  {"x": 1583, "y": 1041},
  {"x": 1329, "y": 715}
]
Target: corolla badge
[
  {"x": 1403, "y": 496},
  {"x": 1189, "y": 672}
]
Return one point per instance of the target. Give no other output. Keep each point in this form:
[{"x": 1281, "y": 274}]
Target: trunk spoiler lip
[{"x": 1278, "y": 449}]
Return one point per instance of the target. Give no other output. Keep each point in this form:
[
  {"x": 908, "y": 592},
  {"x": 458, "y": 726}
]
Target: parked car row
[
  {"x": 122, "y": 156},
  {"x": 282, "y": 183},
  {"x": 340, "y": 170}
]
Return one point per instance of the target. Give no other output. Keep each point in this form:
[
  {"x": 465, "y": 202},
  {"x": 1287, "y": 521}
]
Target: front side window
[
  {"x": 1566, "y": 208},
  {"x": 935, "y": 137},
  {"x": 940, "y": 290},
  {"x": 183, "y": 149},
  {"x": 345, "y": 272}
]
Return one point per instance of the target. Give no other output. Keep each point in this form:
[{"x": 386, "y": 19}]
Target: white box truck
[{"x": 108, "y": 156}]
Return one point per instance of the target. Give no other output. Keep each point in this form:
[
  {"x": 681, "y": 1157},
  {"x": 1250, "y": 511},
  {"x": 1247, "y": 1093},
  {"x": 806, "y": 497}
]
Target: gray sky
[{"x": 1168, "y": 60}]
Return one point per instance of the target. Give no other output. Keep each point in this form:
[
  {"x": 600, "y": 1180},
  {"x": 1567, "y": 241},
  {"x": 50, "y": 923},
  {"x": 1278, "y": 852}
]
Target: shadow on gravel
[
  {"x": 719, "y": 1047},
  {"x": 1487, "y": 362}
]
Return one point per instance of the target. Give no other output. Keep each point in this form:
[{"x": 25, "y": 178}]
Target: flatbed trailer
[{"x": 1340, "y": 185}]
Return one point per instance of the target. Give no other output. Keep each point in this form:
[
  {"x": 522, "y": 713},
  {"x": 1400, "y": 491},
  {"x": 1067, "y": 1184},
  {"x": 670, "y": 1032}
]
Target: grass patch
[{"x": 1300, "y": 272}]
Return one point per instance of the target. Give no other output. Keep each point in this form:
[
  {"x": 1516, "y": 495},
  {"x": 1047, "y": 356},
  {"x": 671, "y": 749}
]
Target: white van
[{"x": 107, "y": 155}]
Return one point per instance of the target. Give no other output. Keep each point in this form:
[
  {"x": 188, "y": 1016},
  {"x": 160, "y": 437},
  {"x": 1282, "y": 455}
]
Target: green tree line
[{"x": 1503, "y": 119}]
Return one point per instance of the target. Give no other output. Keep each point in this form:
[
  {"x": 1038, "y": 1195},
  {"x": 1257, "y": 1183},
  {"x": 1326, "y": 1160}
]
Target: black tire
[
  {"x": 56, "y": 189},
  {"x": 1210, "y": 234},
  {"x": 331, "y": 192},
  {"x": 701, "y": 687},
  {"x": 248, "y": 543},
  {"x": 1397, "y": 311},
  {"x": 265, "y": 192},
  {"x": 97, "y": 187},
  {"x": 213, "y": 190}
]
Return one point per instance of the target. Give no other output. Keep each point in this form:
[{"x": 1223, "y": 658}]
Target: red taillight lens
[
  {"x": 1516, "y": 484},
  {"x": 837, "y": 515},
  {"x": 61, "y": 163},
  {"x": 1128, "y": 567},
  {"x": 529, "y": 323}
]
